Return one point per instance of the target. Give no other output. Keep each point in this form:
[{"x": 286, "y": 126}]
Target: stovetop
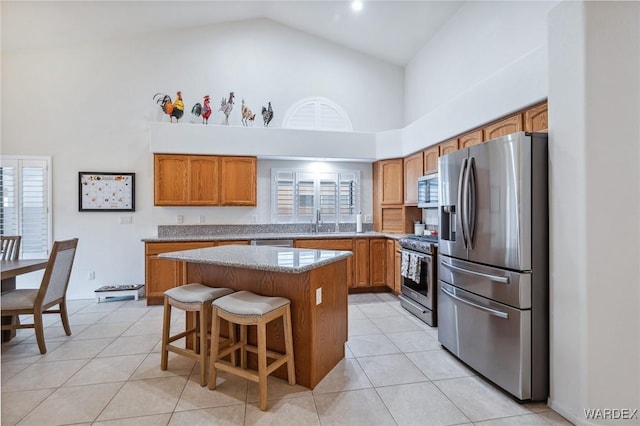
[
  {"x": 426, "y": 238},
  {"x": 420, "y": 243}
]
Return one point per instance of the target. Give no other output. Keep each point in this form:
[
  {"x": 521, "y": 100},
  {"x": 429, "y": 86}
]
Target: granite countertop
[
  {"x": 274, "y": 236},
  {"x": 263, "y": 258}
]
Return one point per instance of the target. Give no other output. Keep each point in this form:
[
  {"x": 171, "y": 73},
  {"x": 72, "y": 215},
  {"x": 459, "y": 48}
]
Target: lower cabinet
[
  {"x": 393, "y": 264},
  {"x": 367, "y": 266},
  {"x": 163, "y": 274},
  {"x": 377, "y": 262},
  {"x": 332, "y": 244}
]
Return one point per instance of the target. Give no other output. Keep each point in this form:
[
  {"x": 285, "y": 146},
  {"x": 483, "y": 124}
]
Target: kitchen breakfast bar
[{"x": 315, "y": 281}]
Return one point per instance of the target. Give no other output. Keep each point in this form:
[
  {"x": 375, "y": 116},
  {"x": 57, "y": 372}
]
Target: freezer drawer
[
  {"x": 508, "y": 287},
  {"x": 492, "y": 338}
]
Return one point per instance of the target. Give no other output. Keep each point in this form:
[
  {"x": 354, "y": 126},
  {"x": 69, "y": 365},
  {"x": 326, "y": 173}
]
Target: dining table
[{"x": 10, "y": 269}]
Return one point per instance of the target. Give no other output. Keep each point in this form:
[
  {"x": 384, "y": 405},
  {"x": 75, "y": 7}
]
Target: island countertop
[{"x": 262, "y": 258}]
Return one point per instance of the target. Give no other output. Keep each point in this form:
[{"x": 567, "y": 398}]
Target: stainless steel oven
[{"x": 419, "y": 290}]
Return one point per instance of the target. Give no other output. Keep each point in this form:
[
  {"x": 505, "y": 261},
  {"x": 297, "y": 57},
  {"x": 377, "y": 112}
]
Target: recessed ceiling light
[{"x": 356, "y": 5}]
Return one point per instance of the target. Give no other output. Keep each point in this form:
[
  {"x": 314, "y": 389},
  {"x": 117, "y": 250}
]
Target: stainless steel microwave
[{"x": 428, "y": 191}]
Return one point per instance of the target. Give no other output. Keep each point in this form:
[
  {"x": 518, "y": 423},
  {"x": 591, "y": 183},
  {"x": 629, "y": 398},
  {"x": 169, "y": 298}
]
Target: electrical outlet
[
  {"x": 126, "y": 220},
  {"x": 254, "y": 219},
  {"x": 368, "y": 218},
  {"x": 180, "y": 219},
  {"x": 201, "y": 219},
  {"x": 318, "y": 296},
  {"x": 91, "y": 275}
]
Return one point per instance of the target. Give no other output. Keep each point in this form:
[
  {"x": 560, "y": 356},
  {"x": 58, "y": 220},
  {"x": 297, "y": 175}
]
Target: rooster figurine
[
  {"x": 267, "y": 115},
  {"x": 204, "y": 110},
  {"x": 172, "y": 109},
  {"x": 247, "y": 114},
  {"x": 226, "y": 106}
]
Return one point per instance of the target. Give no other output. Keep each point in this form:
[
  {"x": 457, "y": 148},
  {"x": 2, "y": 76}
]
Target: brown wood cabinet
[
  {"x": 536, "y": 118},
  {"x": 470, "y": 139},
  {"x": 390, "y": 263},
  {"x": 361, "y": 251},
  {"x": 332, "y": 244},
  {"x": 431, "y": 160},
  {"x": 170, "y": 173},
  {"x": 232, "y": 242},
  {"x": 377, "y": 262},
  {"x": 448, "y": 147},
  {"x": 390, "y": 177},
  {"x": 413, "y": 169},
  {"x": 506, "y": 126},
  {"x": 204, "y": 180},
  {"x": 238, "y": 181},
  {"x": 163, "y": 274},
  {"x": 398, "y": 265}
]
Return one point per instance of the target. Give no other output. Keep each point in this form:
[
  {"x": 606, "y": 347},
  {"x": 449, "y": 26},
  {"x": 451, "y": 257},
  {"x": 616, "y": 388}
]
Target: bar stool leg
[
  {"x": 262, "y": 363},
  {"x": 166, "y": 325},
  {"x": 204, "y": 315},
  {"x": 215, "y": 347},
  {"x": 234, "y": 339},
  {"x": 288, "y": 341},
  {"x": 243, "y": 348}
]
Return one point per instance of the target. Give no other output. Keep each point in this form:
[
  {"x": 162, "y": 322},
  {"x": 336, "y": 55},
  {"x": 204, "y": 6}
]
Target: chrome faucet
[{"x": 318, "y": 222}]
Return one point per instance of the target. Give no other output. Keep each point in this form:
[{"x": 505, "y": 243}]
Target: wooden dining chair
[
  {"x": 52, "y": 292},
  {"x": 10, "y": 247}
]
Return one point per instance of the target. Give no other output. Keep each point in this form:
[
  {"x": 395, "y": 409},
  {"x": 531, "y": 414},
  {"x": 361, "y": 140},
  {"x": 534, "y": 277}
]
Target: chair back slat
[
  {"x": 10, "y": 247},
  {"x": 56, "y": 275}
]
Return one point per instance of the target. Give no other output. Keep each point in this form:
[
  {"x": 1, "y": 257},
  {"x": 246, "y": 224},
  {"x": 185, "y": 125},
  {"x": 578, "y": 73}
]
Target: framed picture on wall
[{"x": 105, "y": 191}]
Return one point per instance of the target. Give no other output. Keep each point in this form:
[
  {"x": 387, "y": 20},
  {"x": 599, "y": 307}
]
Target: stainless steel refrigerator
[{"x": 493, "y": 261}]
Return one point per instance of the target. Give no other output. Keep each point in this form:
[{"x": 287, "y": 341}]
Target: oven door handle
[
  {"x": 408, "y": 301},
  {"x": 420, "y": 255},
  {"x": 503, "y": 280},
  {"x": 493, "y": 312}
]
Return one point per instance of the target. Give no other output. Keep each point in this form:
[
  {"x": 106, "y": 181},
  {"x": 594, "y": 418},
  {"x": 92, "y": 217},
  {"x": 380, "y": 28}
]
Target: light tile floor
[{"x": 108, "y": 373}]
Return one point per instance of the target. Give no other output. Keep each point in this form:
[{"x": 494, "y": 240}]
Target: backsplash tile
[{"x": 165, "y": 231}]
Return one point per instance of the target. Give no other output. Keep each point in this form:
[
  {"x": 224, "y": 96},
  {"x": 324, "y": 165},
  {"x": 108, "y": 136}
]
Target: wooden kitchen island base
[{"x": 319, "y": 330}]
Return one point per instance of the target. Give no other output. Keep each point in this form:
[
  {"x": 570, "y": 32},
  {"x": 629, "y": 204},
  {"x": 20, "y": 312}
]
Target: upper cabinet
[
  {"x": 238, "y": 181},
  {"x": 448, "y": 147},
  {"x": 431, "y": 159},
  {"x": 204, "y": 180},
  {"x": 506, "y": 126},
  {"x": 470, "y": 139},
  {"x": 391, "y": 179},
  {"x": 413, "y": 169},
  {"x": 536, "y": 118}
]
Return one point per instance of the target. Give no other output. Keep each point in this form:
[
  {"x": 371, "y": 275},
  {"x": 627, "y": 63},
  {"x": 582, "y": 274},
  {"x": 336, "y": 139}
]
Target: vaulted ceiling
[{"x": 391, "y": 30}]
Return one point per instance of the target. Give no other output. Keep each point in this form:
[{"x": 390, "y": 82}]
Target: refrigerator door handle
[
  {"x": 493, "y": 312},
  {"x": 462, "y": 200},
  {"x": 471, "y": 189},
  {"x": 503, "y": 280}
]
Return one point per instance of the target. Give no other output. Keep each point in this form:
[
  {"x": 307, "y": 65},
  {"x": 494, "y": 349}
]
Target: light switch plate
[{"x": 318, "y": 296}]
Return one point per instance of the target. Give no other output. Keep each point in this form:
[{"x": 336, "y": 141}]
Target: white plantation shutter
[
  {"x": 25, "y": 208},
  {"x": 298, "y": 194},
  {"x": 317, "y": 113}
]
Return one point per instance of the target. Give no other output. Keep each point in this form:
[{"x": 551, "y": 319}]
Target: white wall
[
  {"x": 594, "y": 111},
  {"x": 89, "y": 107},
  {"x": 489, "y": 60}
]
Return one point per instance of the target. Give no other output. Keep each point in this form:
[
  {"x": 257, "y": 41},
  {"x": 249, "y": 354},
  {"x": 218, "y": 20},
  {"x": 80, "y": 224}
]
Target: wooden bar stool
[
  {"x": 194, "y": 298},
  {"x": 246, "y": 308}
]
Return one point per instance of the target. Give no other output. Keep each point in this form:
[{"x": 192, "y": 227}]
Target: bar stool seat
[
  {"x": 194, "y": 298},
  {"x": 246, "y": 308}
]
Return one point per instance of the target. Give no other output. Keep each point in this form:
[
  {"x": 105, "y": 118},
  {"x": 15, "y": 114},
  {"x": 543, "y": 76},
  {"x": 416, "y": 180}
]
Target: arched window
[{"x": 317, "y": 113}]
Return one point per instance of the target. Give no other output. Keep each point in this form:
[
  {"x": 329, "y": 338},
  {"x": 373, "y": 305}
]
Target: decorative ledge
[{"x": 264, "y": 142}]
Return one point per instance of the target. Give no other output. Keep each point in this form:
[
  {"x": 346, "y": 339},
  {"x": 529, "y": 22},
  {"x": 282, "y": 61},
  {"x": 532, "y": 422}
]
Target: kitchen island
[{"x": 315, "y": 281}]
